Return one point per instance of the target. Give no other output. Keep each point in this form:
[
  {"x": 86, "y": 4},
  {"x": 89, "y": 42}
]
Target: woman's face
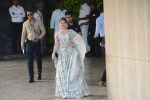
[{"x": 63, "y": 24}]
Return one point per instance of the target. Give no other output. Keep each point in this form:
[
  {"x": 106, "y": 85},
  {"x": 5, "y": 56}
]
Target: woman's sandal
[{"x": 101, "y": 83}]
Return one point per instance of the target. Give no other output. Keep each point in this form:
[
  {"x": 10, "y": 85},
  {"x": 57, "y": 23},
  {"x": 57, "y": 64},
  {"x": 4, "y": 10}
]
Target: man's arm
[
  {"x": 97, "y": 30},
  {"x": 79, "y": 30},
  {"x": 101, "y": 21},
  {"x": 12, "y": 13},
  {"x": 43, "y": 31},
  {"x": 22, "y": 12},
  {"x": 52, "y": 21},
  {"x": 84, "y": 18},
  {"x": 23, "y": 36}
]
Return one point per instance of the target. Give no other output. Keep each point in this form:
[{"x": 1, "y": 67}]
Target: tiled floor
[{"x": 14, "y": 80}]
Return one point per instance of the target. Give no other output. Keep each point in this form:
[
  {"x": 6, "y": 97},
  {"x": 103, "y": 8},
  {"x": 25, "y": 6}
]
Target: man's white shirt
[
  {"x": 84, "y": 11},
  {"x": 17, "y": 13},
  {"x": 100, "y": 26},
  {"x": 56, "y": 16},
  {"x": 39, "y": 16}
]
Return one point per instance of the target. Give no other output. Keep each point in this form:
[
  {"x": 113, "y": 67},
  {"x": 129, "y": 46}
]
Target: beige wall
[{"x": 127, "y": 28}]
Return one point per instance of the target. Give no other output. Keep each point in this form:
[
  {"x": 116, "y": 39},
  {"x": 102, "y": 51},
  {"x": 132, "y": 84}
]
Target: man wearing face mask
[{"x": 33, "y": 31}]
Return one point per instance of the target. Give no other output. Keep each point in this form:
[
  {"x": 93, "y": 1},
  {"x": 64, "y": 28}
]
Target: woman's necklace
[{"x": 63, "y": 31}]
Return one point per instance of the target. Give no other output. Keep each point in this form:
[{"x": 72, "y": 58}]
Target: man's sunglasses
[{"x": 29, "y": 14}]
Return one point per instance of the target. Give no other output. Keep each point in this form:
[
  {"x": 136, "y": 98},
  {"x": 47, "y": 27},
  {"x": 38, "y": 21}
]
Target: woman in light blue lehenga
[{"x": 70, "y": 81}]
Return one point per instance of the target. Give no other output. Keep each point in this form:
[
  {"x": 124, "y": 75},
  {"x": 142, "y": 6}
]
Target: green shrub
[{"x": 74, "y": 7}]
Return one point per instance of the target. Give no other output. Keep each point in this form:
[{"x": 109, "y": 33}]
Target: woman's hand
[
  {"x": 53, "y": 56},
  {"x": 70, "y": 44}
]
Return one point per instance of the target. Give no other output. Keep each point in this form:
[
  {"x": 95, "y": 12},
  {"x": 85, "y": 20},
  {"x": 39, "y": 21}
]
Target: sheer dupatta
[{"x": 76, "y": 69}]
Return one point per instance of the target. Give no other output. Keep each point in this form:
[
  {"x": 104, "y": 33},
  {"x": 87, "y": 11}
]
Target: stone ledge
[{"x": 9, "y": 57}]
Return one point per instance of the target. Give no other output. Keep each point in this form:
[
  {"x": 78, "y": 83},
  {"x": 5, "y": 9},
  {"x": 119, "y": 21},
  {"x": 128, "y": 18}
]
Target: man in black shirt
[
  {"x": 71, "y": 23},
  {"x": 95, "y": 49}
]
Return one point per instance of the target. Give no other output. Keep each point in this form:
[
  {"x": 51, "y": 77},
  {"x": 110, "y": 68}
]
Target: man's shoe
[
  {"x": 89, "y": 54},
  {"x": 39, "y": 77},
  {"x": 101, "y": 83},
  {"x": 31, "y": 81}
]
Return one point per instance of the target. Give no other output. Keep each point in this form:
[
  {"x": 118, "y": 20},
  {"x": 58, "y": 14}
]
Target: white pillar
[{"x": 127, "y": 28}]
